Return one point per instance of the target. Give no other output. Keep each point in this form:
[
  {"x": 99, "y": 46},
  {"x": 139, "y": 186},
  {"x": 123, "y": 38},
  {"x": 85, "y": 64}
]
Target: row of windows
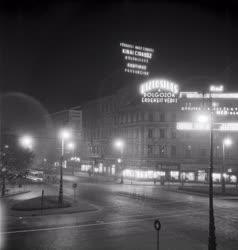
[
  {"x": 143, "y": 116},
  {"x": 130, "y": 133},
  {"x": 161, "y": 150},
  {"x": 161, "y": 133}
]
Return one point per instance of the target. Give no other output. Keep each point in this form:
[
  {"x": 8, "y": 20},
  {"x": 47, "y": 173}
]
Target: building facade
[
  {"x": 72, "y": 120},
  {"x": 151, "y": 121}
]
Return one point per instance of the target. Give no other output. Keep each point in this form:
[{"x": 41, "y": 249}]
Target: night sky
[{"x": 66, "y": 53}]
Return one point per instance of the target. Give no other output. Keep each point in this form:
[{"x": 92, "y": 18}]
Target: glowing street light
[
  {"x": 227, "y": 142},
  {"x": 203, "y": 119},
  {"x": 26, "y": 141},
  {"x": 64, "y": 135},
  {"x": 71, "y": 146},
  {"x": 119, "y": 144}
]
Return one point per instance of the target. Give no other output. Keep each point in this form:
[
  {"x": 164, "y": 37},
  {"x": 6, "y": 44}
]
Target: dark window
[
  {"x": 173, "y": 151},
  {"x": 162, "y": 133},
  {"x": 151, "y": 118},
  {"x": 162, "y": 117},
  {"x": 150, "y": 133},
  {"x": 162, "y": 151},
  {"x": 173, "y": 134},
  {"x": 150, "y": 150},
  {"x": 203, "y": 152},
  {"x": 188, "y": 151}
]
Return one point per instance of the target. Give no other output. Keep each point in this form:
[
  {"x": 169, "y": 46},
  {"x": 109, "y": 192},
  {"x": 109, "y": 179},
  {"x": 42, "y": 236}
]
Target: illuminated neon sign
[
  {"x": 197, "y": 95},
  {"x": 136, "y": 58},
  {"x": 159, "y": 84},
  {"x": 159, "y": 91},
  {"x": 232, "y": 126},
  {"x": 215, "y": 88}
]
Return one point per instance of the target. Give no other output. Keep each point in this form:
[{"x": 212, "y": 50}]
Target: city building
[
  {"x": 70, "y": 119},
  {"x": 155, "y": 120}
]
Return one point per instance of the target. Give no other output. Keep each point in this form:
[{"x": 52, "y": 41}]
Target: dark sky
[{"x": 66, "y": 53}]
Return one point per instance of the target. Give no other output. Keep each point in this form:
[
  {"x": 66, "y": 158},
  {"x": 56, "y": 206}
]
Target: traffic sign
[
  {"x": 74, "y": 185},
  {"x": 157, "y": 224}
]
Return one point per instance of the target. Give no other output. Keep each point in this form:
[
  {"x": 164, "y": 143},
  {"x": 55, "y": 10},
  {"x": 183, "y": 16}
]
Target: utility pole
[
  {"x": 61, "y": 175},
  {"x": 212, "y": 236}
]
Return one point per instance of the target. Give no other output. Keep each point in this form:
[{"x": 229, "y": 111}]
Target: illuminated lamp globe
[
  {"x": 227, "y": 142},
  {"x": 119, "y": 144},
  {"x": 26, "y": 142},
  {"x": 203, "y": 119},
  {"x": 71, "y": 146},
  {"x": 65, "y": 134}
]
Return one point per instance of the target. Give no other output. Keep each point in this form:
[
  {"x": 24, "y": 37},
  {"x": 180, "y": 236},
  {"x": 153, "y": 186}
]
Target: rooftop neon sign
[{"x": 159, "y": 85}]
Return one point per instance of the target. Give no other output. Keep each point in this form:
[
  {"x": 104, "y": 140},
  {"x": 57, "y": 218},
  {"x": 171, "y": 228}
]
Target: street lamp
[
  {"x": 26, "y": 142},
  {"x": 64, "y": 135},
  {"x": 204, "y": 120},
  {"x": 227, "y": 142},
  {"x": 4, "y": 170},
  {"x": 71, "y": 146},
  {"x": 119, "y": 144}
]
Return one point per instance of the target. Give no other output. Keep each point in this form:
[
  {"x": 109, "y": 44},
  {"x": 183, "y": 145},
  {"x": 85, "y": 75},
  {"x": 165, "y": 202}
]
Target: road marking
[
  {"x": 100, "y": 223},
  {"x": 74, "y": 226}
]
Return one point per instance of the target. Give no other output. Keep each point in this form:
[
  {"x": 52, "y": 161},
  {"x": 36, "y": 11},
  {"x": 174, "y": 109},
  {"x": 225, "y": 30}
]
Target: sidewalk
[{"x": 15, "y": 190}]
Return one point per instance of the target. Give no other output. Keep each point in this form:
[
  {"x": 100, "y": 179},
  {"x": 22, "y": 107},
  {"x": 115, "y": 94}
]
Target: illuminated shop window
[
  {"x": 216, "y": 177},
  {"x": 187, "y": 176},
  {"x": 174, "y": 175},
  {"x": 85, "y": 167},
  {"x": 233, "y": 178},
  {"x": 201, "y": 175}
]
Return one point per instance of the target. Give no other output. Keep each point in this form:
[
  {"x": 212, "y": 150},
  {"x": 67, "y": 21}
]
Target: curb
[{"x": 9, "y": 195}]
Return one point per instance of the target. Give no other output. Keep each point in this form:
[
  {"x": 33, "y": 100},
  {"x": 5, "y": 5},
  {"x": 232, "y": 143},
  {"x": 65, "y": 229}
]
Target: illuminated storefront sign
[
  {"x": 232, "y": 126},
  {"x": 215, "y": 88},
  {"x": 197, "y": 95},
  {"x": 136, "y": 58},
  {"x": 159, "y": 91}
]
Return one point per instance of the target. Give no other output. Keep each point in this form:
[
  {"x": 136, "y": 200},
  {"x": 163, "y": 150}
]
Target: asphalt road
[{"x": 123, "y": 222}]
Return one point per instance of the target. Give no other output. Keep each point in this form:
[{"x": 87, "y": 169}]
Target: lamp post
[
  {"x": 3, "y": 169},
  {"x": 212, "y": 236},
  {"x": 225, "y": 143},
  {"x": 204, "y": 120},
  {"x": 120, "y": 144},
  {"x": 64, "y": 135}
]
